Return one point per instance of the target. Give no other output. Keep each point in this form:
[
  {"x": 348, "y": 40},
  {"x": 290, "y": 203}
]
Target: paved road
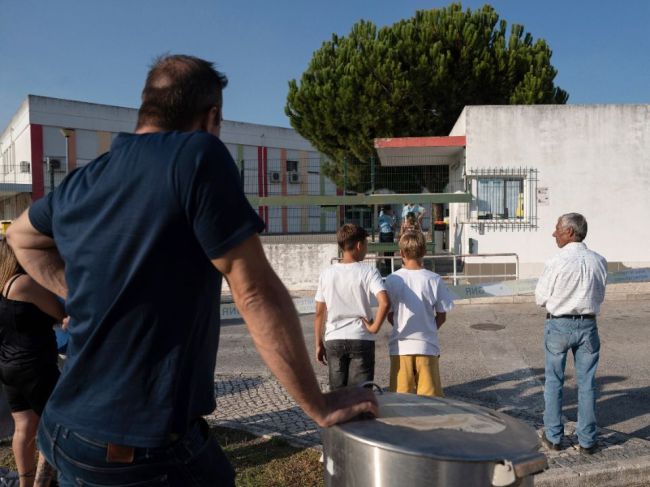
[
  {"x": 492, "y": 356},
  {"x": 505, "y": 367}
]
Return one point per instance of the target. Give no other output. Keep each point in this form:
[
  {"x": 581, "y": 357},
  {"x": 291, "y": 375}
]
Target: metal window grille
[{"x": 502, "y": 198}]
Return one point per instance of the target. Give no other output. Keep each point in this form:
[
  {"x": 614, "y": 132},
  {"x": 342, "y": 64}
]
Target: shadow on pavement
[{"x": 520, "y": 389}]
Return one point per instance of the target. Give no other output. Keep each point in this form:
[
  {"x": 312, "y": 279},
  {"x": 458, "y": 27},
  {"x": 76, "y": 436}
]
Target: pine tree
[{"x": 413, "y": 79}]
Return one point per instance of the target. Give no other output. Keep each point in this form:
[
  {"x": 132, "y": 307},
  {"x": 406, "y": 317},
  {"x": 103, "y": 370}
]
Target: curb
[{"x": 628, "y": 472}]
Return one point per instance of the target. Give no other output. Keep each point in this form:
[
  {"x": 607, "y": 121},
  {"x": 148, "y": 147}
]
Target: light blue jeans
[{"x": 581, "y": 337}]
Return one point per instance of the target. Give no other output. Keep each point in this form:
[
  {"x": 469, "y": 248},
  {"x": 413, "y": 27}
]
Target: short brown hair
[
  {"x": 180, "y": 89},
  {"x": 413, "y": 245},
  {"x": 349, "y": 234}
]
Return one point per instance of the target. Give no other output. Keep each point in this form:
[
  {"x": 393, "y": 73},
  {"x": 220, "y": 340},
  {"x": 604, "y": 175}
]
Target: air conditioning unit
[
  {"x": 274, "y": 176},
  {"x": 25, "y": 167},
  {"x": 294, "y": 177}
]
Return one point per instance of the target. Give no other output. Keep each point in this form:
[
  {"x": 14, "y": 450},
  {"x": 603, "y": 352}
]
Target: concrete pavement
[{"x": 491, "y": 355}]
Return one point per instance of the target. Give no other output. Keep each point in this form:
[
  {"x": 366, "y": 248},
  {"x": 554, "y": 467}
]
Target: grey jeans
[{"x": 350, "y": 362}]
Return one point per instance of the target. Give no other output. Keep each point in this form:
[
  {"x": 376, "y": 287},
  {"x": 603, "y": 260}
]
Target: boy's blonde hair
[{"x": 413, "y": 245}]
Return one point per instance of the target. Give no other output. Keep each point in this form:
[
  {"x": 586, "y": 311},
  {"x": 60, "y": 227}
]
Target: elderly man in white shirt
[{"x": 572, "y": 289}]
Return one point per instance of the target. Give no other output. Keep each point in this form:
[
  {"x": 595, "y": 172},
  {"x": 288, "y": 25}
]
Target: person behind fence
[
  {"x": 572, "y": 288},
  {"x": 416, "y": 209},
  {"x": 420, "y": 302},
  {"x": 410, "y": 224},
  {"x": 28, "y": 360},
  {"x": 386, "y": 223},
  {"x": 343, "y": 301},
  {"x": 138, "y": 240}
]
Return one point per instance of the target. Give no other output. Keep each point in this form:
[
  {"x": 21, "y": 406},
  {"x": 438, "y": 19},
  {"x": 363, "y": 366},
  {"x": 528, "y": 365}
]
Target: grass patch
[
  {"x": 269, "y": 461},
  {"x": 258, "y": 461}
]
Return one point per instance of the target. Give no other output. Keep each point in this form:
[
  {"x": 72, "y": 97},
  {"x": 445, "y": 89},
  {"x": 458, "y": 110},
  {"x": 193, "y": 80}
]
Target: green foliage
[{"x": 413, "y": 79}]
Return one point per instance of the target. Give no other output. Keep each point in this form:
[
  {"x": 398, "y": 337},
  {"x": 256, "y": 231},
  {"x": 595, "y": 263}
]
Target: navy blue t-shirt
[{"x": 137, "y": 228}]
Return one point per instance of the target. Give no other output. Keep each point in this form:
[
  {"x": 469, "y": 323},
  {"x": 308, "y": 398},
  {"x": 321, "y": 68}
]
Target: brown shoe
[
  {"x": 588, "y": 451},
  {"x": 547, "y": 443}
]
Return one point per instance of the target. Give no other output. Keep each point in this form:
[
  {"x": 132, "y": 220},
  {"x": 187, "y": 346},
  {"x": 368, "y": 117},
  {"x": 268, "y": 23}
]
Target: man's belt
[{"x": 549, "y": 316}]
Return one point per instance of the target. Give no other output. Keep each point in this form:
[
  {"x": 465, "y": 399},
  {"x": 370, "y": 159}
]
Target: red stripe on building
[
  {"x": 36, "y": 140},
  {"x": 405, "y": 142},
  {"x": 72, "y": 151}
]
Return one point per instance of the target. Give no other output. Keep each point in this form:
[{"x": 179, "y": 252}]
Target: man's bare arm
[
  {"x": 38, "y": 255},
  {"x": 275, "y": 328}
]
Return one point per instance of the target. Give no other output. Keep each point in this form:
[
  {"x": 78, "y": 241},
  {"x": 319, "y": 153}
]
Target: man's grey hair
[{"x": 577, "y": 223}]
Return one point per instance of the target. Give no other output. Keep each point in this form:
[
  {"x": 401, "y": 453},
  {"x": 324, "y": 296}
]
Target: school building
[
  {"x": 48, "y": 137},
  {"x": 526, "y": 165}
]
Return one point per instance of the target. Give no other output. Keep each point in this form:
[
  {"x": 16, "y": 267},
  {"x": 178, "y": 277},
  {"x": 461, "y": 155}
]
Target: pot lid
[{"x": 443, "y": 429}]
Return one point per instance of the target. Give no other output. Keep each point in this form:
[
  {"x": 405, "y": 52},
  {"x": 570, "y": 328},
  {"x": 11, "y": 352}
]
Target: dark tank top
[{"x": 26, "y": 334}]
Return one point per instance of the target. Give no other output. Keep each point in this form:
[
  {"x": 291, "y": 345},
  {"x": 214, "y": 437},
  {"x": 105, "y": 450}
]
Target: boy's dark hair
[
  {"x": 349, "y": 234},
  {"x": 179, "y": 89},
  {"x": 413, "y": 245}
]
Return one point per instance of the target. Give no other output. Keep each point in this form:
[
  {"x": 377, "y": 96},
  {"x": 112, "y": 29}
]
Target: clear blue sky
[{"x": 99, "y": 51}]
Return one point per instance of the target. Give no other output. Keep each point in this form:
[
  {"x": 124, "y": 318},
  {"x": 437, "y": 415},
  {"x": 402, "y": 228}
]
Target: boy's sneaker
[{"x": 547, "y": 443}]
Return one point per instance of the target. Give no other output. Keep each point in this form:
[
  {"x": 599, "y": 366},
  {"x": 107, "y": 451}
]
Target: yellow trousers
[{"x": 415, "y": 374}]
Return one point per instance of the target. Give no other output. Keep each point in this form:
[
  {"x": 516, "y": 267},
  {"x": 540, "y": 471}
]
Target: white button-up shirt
[{"x": 573, "y": 282}]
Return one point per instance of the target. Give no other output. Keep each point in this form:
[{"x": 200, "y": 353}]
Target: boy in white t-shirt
[
  {"x": 343, "y": 301},
  {"x": 419, "y": 303}
]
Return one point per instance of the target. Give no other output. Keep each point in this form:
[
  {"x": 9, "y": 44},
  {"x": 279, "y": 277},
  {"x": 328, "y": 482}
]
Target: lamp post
[{"x": 67, "y": 133}]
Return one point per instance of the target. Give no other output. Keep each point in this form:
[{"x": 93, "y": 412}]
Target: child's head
[
  {"x": 412, "y": 245},
  {"x": 352, "y": 239}
]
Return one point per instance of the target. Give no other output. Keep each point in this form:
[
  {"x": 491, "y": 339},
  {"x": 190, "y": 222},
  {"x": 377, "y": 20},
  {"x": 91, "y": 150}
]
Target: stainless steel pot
[{"x": 420, "y": 441}]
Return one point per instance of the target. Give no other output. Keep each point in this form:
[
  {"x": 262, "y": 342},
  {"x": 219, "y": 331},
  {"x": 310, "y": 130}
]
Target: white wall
[
  {"x": 594, "y": 159},
  {"x": 80, "y": 115},
  {"x": 299, "y": 265},
  {"x": 15, "y": 147}
]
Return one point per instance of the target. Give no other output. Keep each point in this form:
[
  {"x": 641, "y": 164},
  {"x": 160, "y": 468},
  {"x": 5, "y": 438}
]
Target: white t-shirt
[
  {"x": 414, "y": 295},
  {"x": 347, "y": 290}
]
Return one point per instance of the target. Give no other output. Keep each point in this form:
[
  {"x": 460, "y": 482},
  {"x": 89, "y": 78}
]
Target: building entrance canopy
[{"x": 420, "y": 151}]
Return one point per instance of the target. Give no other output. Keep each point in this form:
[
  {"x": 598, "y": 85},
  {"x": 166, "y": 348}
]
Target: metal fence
[
  {"x": 456, "y": 269},
  {"x": 316, "y": 195}
]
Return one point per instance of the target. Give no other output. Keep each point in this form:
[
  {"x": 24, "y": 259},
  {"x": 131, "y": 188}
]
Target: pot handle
[
  {"x": 534, "y": 463},
  {"x": 507, "y": 472},
  {"x": 371, "y": 385}
]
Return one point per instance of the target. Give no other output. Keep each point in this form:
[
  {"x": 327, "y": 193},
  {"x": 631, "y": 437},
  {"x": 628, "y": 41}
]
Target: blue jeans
[
  {"x": 350, "y": 362},
  {"x": 194, "y": 460},
  {"x": 581, "y": 337}
]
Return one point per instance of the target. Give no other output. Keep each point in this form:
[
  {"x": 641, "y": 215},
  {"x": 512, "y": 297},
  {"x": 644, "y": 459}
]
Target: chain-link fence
[
  {"x": 307, "y": 199},
  {"x": 15, "y": 189},
  {"x": 313, "y": 196}
]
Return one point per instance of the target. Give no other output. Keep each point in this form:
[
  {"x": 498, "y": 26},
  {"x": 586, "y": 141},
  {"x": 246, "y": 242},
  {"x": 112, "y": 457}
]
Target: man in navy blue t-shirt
[{"x": 137, "y": 242}]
